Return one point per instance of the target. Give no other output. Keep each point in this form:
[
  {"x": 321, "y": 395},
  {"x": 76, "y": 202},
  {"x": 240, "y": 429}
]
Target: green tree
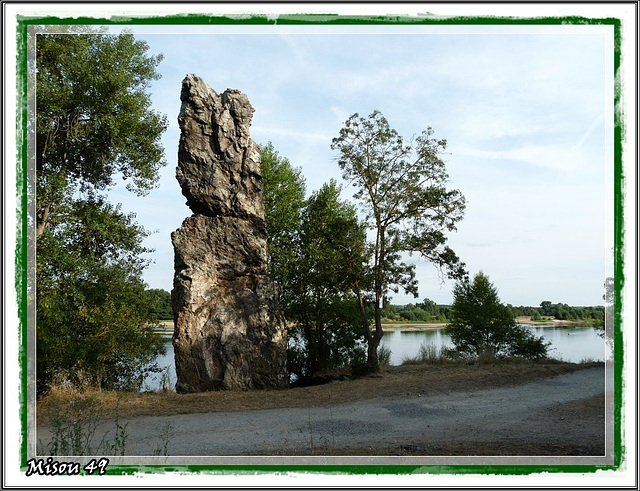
[
  {"x": 324, "y": 309},
  {"x": 283, "y": 191},
  {"x": 160, "y": 303},
  {"x": 480, "y": 324},
  {"x": 546, "y": 308},
  {"x": 94, "y": 124},
  {"x": 94, "y": 117},
  {"x": 93, "y": 321},
  {"x": 403, "y": 190}
]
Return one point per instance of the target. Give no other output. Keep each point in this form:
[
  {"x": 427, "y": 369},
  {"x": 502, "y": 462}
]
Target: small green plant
[
  {"x": 166, "y": 433},
  {"x": 384, "y": 356},
  {"x": 118, "y": 445},
  {"x": 487, "y": 357},
  {"x": 73, "y": 426},
  {"x": 166, "y": 380},
  {"x": 310, "y": 431},
  {"x": 75, "y": 419},
  {"x": 429, "y": 352}
]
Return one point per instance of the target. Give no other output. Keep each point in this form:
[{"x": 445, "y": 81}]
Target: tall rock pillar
[{"x": 227, "y": 331}]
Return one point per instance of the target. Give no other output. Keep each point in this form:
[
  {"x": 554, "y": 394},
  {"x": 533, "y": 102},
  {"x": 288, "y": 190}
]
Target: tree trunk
[
  {"x": 363, "y": 315},
  {"x": 42, "y": 217},
  {"x": 374, "y": 342}
]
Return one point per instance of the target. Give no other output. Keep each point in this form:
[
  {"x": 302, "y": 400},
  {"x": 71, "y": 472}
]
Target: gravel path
[{"x": 483, "y": 415}]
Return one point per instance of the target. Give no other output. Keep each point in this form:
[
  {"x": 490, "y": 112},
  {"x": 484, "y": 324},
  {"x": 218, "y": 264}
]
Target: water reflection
[{"x": 168, "y": 375}]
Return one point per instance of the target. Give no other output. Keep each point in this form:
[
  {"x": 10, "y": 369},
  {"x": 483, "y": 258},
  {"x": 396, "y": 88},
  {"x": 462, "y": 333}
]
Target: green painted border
[
  {"x": 332, "y": 19},
  {"x": 21, "y": 232},
  {"x": 618, "y": 254}
]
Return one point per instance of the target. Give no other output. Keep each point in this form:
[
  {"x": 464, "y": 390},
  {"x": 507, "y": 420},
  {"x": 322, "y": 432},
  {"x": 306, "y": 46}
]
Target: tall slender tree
[
  {"x": 283, "y": 191},
  {"x": 403, "y": 190}
]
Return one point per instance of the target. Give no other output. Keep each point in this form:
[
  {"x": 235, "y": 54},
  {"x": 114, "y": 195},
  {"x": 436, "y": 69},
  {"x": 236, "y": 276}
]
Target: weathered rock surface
[
  {"x": 228, "y": 333},
  {"x": 218, "y": 163}
]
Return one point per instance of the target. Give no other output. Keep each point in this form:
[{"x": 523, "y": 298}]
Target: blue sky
[{"x": 526, "y": 110}]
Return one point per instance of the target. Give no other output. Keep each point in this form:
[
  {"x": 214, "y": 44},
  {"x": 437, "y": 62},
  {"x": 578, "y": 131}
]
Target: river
[{"x": 572, "y": 344}]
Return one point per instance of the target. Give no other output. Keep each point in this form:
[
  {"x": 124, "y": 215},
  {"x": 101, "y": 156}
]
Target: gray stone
[
  {"x": 228, "y": 333},
  {"x": 219, "y": 163}
]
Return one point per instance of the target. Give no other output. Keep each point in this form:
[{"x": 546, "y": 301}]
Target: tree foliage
[
  {"x": 93, "y": 321},
  {"x": 160, "y": 303},
  {"x": 283, "y": 192},
  {"x": 481, "y": 325},
  {"x": 94, "y": 124},
  {"x": 94, "y": 117},
  {"x": 562, "y": 311},
  {"x": 316, "y": 251},
  {"x": 324, "y": 309},
  {"x": 403, "y": 189}
]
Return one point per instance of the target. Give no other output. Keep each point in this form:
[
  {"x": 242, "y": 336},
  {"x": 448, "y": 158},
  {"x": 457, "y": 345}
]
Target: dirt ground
[
  {"x": 406, "y": 380},
  {"x": 423, "y": 409}
]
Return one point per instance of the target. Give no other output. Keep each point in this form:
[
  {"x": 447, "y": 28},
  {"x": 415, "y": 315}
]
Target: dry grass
[{"x": 414, "y": 379}]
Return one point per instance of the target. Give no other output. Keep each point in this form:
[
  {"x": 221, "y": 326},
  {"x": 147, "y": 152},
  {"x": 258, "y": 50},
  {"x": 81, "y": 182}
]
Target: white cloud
[{"x": 558, "y": 158}]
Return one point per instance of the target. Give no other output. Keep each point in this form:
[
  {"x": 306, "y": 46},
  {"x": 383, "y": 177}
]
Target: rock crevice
[{"x": 227, "y": 330}]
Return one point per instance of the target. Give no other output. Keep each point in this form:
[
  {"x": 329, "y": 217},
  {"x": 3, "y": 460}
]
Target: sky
[{"x": 526, "y": 111}]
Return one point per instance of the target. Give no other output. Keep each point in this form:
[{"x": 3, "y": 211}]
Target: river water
[{"x": 572, "y": 344}]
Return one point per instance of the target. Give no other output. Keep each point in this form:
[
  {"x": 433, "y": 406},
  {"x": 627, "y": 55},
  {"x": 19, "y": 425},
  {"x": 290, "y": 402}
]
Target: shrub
[
  {"x": 384, "y": 356},
  {"x": 359, "y": 365},
  {"x": 481, "y": 326},
  {"x": 430, "y": 352}
]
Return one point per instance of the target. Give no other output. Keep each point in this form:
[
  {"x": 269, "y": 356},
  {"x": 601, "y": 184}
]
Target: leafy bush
[
  {"x": 359, "y": 365},
  {"x": 526, "y": 345},
  {"x": 481, "y": 326},
  {"x": 384, "y": 356}
]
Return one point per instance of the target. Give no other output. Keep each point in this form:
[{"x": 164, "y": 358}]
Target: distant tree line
[
  {"x": 425, "y": 311},
  {"x": 429, "y": 311},
  {"x": 561, "y": 311},
  {"x": 160, "y": 304}
]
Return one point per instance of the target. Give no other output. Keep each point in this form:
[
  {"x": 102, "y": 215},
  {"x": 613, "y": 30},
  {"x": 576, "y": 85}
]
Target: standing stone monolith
[{"x": 228, "y": 333}]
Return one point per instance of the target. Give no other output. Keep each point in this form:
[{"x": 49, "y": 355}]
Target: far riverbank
[
  {"x": 421, "y": 326},
  {"x": 166, "y": 326}
]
